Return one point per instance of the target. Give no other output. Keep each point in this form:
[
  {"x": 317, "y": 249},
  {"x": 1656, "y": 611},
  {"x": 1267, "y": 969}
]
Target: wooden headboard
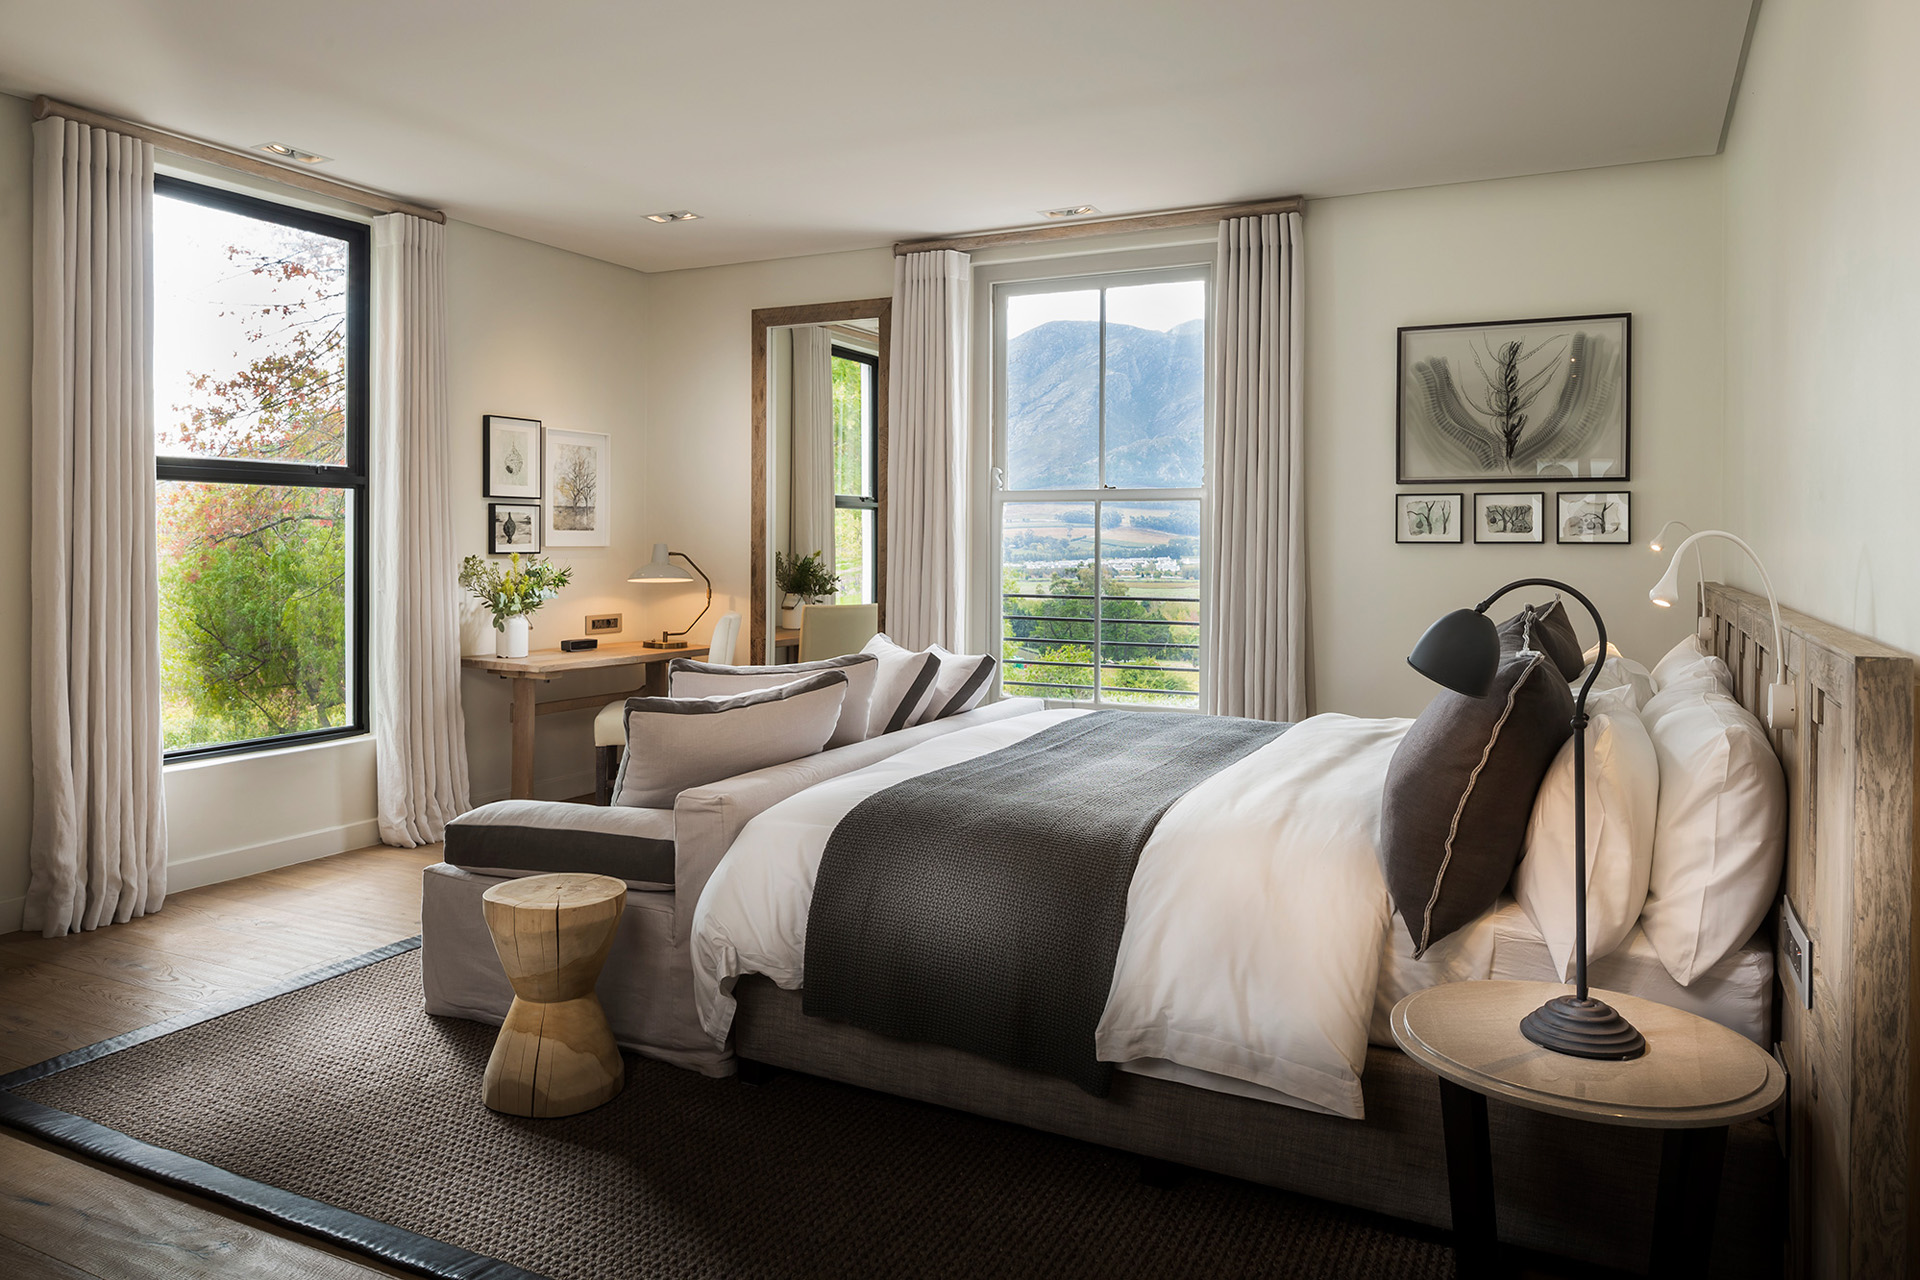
[{"x": 1850, "y": 1057}]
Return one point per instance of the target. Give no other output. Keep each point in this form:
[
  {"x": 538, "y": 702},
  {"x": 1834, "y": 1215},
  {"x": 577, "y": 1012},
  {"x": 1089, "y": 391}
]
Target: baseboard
[
  {"x": 231, "y": 864},
  {"x": 560, "y": 786}
]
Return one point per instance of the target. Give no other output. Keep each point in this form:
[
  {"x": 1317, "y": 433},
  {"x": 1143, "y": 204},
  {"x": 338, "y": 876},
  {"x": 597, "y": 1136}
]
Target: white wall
[
  {"x": 699, "y": 352},
  {"x": 1823, "y": 311},
  {"x": 537, "y": 332},
  {"x": 1641, "y": 238}
]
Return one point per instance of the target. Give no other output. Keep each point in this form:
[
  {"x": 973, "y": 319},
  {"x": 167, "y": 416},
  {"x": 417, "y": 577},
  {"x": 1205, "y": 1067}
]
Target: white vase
[
  {"x": 790, "y": 614},
  {"x": 511, "y": 642}
]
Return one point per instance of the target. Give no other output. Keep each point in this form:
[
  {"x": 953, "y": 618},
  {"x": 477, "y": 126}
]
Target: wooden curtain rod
[
  {"x": 1104, "y": 226},
  {"x": 44, "y": 106}
]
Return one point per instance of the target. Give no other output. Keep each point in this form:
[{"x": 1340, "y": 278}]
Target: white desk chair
[
  {"x": 609, "y": 724},
  {"x": 830, "y": 630}
]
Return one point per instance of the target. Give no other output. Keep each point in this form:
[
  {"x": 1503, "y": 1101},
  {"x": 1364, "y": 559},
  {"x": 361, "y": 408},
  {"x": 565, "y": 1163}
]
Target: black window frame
[
  {"x": 352, "y": 477},
  {"x": 870, "y": 500}
]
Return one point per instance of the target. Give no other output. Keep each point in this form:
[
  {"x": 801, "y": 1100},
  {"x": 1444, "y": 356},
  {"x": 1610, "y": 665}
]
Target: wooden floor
[{"x": 70, "y": 1218}]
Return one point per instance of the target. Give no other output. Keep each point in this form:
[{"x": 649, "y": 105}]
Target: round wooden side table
[
  {"x": 555, "y": 1055},
  {"x": 1696, "y": 1078}
]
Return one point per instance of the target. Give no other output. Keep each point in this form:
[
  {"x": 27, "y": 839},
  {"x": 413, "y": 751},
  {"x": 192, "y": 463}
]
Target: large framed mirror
[{"x": 819, "y": 457}]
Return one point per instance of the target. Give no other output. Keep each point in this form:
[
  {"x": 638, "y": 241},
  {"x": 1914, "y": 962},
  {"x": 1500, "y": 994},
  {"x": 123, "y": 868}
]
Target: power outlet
[
  {"x": 1796, "y": 953},
  {"x": 603, "y": 624}
]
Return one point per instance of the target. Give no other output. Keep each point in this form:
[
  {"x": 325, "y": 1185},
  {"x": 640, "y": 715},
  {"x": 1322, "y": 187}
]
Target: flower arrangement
[
  {"x": 514, "y": 590},
  {"x": 804, "y": 576}
]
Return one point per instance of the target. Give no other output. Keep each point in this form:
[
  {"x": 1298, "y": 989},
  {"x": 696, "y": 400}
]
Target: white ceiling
[{"x": 802, "y": 128}]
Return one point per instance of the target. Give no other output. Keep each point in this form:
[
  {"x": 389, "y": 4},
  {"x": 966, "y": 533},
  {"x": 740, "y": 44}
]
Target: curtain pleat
[
  {"x": 1256, "y": 577},
  {"x": 99, "y": 843},
  {"x": 926, "y": 448},
  {"x": 414, "y": 641},
  {"x": 810, "y": 527}
]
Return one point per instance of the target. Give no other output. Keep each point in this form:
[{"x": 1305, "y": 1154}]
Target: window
[
  {"x": 1100, "y": 416},
  {"x": 856, "y": 468},
  {"x": 260, "y": 432}
]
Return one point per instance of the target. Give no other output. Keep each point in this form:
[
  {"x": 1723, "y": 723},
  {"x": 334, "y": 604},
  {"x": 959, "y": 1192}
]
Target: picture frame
[
  {"x": 579, "y": 478},
  {"x": 1597, "y": 518},
  {"x": 1514, "y": 400},
  {"x": 1501, "y": 516},
  {"x": 509, "y": 457},
  {"x": 1429, "y": 517},
  {"x": 513, "y": 526}
]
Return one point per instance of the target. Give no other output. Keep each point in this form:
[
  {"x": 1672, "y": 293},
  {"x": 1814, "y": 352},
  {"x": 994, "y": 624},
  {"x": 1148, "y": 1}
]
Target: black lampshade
[{"x": 1461, "y": 651}]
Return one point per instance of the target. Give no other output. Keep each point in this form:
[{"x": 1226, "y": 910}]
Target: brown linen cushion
[
  {"x": 1553, "y": 635},
  {"x": 1459, "y": 793}
]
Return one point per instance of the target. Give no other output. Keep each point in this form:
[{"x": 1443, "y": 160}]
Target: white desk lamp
[
  {"x": 1703, "y": 626},
  {"x": 1782, "y": 707}
]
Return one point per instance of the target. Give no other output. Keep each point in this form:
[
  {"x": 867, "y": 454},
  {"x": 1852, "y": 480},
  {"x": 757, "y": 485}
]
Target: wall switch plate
[
  {"x": 1796, "y": 953},
  {"x": 603, "y": 624}
]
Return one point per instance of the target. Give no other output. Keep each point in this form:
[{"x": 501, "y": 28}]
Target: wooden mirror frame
[{"x": 881, "y": 309}]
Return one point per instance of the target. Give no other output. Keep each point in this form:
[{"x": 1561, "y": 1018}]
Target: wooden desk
[
  {"x": 785, "y": 638},
  {"x": 542, "y": 665}
]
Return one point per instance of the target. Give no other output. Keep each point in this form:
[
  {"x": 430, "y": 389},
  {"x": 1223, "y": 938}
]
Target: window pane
[
  {"x": 1156, "y": 385},
  {"x": 1047, "y": 628},
  {"x": 852, "y": 396},
  {"x": 1150, "y": 603},
  {"x": 253, "y": 611},
  {"x": 853, "y": 554},
  {"x": 1053, "y": 390},
  {"x": 250, "y": 337}
]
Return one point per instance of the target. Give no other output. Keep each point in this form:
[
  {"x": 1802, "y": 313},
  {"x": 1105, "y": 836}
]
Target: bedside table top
[{"x": 1694, "y": 1074}]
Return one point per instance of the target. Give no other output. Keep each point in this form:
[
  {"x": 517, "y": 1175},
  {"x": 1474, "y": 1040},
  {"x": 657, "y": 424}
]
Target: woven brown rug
[{"x": 346, "y": 1093}]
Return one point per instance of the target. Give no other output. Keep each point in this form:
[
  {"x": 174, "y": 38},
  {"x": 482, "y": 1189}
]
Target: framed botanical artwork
[
  {"x": 1514, "y": 400},
  {"x": 510, "y": 457},
  {"x": 1598, "y": 518},
  {"x": 1509, "y": 517},
  {"x": 1429, "y": 517},
  {"x": 579, "y": 472},
  {"x": 513, "y": 526}
]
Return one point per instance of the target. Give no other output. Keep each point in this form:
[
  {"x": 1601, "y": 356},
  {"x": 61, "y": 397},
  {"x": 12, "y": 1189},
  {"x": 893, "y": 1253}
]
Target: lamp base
[
  {"x": 663, "y": 644},
  {"x": 1583, "y": 1029}
]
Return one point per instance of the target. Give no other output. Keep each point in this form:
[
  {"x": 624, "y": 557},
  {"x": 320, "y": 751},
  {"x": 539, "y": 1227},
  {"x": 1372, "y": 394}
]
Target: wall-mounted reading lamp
[{"x": 1782, "y": 706}]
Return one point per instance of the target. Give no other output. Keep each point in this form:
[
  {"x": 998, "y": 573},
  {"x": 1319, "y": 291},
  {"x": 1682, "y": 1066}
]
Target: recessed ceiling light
[
  {"x": 1070, "y": 211},
  {"x": 673, "y": 215},
  {"x": 295, "y": 154}
]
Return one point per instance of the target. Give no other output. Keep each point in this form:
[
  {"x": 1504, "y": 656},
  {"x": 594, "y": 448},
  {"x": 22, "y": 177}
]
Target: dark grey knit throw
[{"x": 981, "y": 906}]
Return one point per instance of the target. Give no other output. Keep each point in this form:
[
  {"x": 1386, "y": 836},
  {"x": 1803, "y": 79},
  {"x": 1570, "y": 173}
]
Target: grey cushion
[
  {"x": 676, "y": 743},
  {"x": 687, "y": 678},
  {"x": 1552, "y": 633},
  {"x": 635, "y": 845},
  {"x": 1459, "y": 793}
]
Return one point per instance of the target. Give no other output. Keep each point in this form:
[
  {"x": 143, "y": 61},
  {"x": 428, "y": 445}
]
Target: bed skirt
[{"x": 1577, "y": 1190}]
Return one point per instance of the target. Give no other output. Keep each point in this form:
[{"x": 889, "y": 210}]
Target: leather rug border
[{"x": 382, "y": 1241}]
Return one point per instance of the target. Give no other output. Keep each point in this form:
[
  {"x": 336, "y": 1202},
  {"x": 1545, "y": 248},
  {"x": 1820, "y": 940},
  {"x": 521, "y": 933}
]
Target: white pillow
[
  {"x": 1688, "y": 659},
  {"x": 902, "y": 685},
  {"x": 1619, "y": 673},
  {"x": 687, "y": 678},
  {"x": 1623, "y": 798},
  {"x": 676, "y": 743},
  {"x": 960, "y": 683},
  {"x": 1720, "y": 835}
]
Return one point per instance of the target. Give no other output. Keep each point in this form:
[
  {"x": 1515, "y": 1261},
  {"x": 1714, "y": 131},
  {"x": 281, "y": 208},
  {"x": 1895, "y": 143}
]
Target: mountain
[{"x": 1155, "y": 406}]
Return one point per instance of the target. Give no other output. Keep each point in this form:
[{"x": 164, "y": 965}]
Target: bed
[{"x": 1819, "y": 1189}]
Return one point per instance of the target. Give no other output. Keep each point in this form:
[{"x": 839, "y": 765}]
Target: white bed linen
[{"x": 1255, "y": 922}]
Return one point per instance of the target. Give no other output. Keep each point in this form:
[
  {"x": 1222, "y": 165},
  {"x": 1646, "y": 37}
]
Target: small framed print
[
  {"x": 513, "y": 526},
  {"x": 1509, "y": 517},
  {"x": 1429, "y": 517},
  {"x": 1598, "y": 518},
  {"x": 579, "y": 472},
  {"x": 510, "y": 457}
]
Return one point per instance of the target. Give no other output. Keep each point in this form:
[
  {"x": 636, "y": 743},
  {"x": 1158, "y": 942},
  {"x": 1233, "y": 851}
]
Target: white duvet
[{"x": 1254, "y": 926}]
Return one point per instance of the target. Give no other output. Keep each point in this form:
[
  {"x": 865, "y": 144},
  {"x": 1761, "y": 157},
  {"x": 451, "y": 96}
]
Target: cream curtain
[
  {"x": 810, "y": 521},
  {"x": 1256, "y": 574},
  {"x": 99, "y": 851},
  {"x": 414, "y": 639},
  {"x": 926, "y": 448}
]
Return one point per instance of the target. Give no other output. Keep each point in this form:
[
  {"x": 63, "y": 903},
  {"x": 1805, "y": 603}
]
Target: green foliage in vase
[
  {"x": 805, "y": 576},
  {"x": 514, "y": 590}
]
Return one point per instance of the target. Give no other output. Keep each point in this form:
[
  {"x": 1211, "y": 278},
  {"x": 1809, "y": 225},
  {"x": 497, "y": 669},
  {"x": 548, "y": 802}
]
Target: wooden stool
[{"x": 555, "y": 1055}]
